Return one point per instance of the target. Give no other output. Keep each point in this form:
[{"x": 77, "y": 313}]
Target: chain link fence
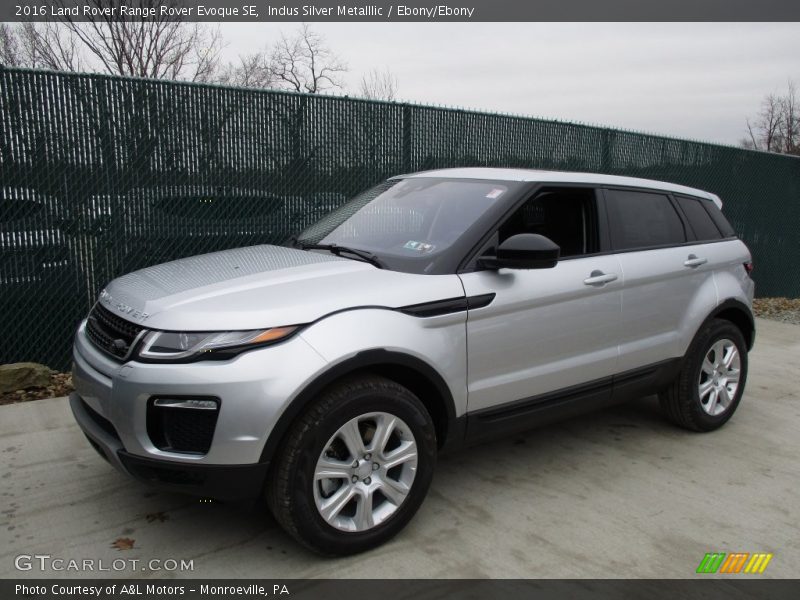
[{"x": 102, "y": 175}]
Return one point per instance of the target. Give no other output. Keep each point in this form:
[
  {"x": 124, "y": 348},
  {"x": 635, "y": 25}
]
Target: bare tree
[
  {"x": 251, "y": 70},
  {"x": 776, "y": 128},
  {"x": 790, "y": 126},
  {"x": 49, "y": 46},
  {"x": 154, "y": 47},
  {"x": 301, "y": 63},
  {"x": 765, "y": 131},
  {"x": 304, "y": 63},
  {"x": 10, "y": 52},
  {"x": 379, "y": 85}
]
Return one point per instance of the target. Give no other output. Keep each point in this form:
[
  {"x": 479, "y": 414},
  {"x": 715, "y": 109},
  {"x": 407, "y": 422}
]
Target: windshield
[{"x": 404, "y": 221}]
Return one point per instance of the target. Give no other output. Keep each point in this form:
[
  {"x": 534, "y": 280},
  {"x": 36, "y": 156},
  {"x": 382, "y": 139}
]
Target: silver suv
[{"x": 432, "y": 311}]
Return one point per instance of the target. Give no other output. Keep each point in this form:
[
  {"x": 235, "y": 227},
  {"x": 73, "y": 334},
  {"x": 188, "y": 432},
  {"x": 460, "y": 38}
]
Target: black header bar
[{"x": 404, "y": 11}]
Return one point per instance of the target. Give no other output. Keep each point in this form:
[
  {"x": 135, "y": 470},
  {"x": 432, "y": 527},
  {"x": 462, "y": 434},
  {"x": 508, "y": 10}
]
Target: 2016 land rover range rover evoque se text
[{"x": 433, "y": 310}]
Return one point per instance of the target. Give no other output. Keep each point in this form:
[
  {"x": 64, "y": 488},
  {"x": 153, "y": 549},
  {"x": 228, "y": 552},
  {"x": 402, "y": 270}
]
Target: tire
[
  {"x": 682, "y": 401},
  {"x": 297, "y": 494}
]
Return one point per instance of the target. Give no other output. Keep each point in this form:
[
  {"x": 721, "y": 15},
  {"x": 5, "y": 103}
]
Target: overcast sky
[{"x": 695, "y": 80}]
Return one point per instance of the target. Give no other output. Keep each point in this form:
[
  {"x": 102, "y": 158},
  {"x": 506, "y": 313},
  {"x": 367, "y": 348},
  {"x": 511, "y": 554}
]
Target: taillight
[{"x": 748, "y": 266}]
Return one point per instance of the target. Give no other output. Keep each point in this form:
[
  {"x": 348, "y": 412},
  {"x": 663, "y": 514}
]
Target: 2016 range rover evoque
[{"x": 433, "y": 310}]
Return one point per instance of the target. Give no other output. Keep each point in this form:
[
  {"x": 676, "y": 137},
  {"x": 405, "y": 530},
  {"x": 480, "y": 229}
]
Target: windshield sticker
[
  {"x": 495, "y": 193},
  {"x": 418, "y": 246}
]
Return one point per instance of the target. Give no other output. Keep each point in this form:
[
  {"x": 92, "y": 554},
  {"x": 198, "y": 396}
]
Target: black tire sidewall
[
  {"x": 716, "y": 331},
  {"x": 391, "y": 399}
]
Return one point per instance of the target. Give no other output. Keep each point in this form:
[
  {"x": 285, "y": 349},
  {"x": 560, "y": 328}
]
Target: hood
[{"x": 263, "y": 286}]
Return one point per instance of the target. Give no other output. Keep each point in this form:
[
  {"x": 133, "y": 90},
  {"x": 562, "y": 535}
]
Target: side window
[
  {"x": 642, "y": 220},
  {"x": 568, "y": 216},
  {"x": 699, "y": 220}
]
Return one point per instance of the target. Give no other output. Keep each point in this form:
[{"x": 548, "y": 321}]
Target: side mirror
[{"x": 523, "y": 251}]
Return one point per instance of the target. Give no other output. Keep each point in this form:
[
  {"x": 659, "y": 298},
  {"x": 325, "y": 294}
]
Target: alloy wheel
[
  {"x": 365, "y": 472},
  {"x": 719, "y": 377}
]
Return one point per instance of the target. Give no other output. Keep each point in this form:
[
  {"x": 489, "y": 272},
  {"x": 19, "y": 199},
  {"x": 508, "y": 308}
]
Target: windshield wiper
[{"x": 338, "y": 250}]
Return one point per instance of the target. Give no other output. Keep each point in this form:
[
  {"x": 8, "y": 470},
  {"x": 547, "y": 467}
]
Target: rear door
[{"x": 662, "y": 269}]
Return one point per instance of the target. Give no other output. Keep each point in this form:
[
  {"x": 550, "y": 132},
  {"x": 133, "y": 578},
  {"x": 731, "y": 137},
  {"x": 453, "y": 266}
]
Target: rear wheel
[
  {"x": 355, "y": 467},
  {"x": 711, "y": 382}
]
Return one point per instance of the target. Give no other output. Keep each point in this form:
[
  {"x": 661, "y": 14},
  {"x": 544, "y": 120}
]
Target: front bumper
[
  {"x": 223, "y": 482},
  {"x": 113, "y": 403}
]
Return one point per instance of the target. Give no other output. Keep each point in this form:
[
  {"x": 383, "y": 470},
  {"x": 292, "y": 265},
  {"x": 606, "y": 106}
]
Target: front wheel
[
  {"x": 355, "y": 467},
  {"x": 711, "y": 382}
]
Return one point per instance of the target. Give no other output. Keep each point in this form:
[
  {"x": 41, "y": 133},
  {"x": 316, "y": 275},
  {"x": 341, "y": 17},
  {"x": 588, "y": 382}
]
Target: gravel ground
[
  {"x": 60, "y": 385},
  {"x": 786, "y": 310}
]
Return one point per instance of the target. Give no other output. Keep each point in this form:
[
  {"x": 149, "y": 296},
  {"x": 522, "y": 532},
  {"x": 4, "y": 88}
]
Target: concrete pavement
[{"x": 620, "y": 493}]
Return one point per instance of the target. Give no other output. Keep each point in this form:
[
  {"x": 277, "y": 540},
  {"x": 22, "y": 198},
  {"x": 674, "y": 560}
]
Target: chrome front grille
[{"x": 110, "y": 333}]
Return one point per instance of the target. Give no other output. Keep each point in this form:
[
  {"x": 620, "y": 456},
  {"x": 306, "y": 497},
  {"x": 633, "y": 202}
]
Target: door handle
[
  {"x": 692, "y": 261},
  {"x": 599, "y": 278}
]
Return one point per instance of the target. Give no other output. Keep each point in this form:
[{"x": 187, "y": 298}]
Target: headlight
[{"x": 174, "y": 345}]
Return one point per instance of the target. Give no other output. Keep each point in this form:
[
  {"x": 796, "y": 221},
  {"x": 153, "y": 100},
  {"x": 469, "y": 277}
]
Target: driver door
[{"x": 548, "y": 332}]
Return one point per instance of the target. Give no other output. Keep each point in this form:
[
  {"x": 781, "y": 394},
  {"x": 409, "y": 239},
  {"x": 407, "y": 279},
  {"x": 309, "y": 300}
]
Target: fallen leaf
[
  {"x": 123, "y": 544},
  {"x": 157, "y": 516}
]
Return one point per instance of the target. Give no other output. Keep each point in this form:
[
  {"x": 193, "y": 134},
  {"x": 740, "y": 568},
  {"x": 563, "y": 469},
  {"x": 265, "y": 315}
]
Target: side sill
[{"x": 530, "y": 413}]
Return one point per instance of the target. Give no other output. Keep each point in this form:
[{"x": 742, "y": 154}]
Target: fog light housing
[{"x": 184, "y": 424}]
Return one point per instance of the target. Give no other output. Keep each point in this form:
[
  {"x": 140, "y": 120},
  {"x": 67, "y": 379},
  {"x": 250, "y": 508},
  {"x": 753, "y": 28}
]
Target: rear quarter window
[
  {"x": 699, "y": 219},
  {"x": 640, "y": 220},
  {"x": 719, "y": 219}
]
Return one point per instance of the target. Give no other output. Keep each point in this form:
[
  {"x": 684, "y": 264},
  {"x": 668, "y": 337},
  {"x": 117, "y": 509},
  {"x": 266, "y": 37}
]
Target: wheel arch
[
  {"x": 738, "y": 313},
  {"x": 411, "y": 372}
]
